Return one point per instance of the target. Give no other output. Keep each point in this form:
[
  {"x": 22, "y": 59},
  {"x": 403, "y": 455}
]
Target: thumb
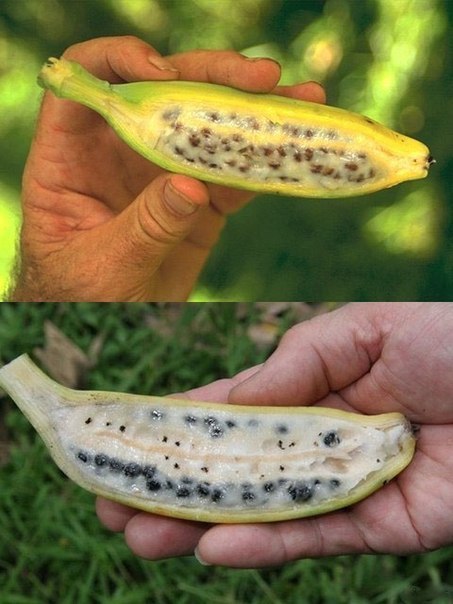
[
  {"x": 162, "y": 216},
  {"x": 314, "y": 358}
]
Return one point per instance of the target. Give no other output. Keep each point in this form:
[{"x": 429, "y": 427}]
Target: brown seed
[
  {"x": 308, "y": 154},
  {"x": 309, "y": 133},
  {"x": 351, "y": 166},
  {"x": 214, "y": 117},
  {"x": 206, "y": 132},
  {"x": 194, "y": 140},
  {"x": 274, "y": 165},
  {"x": 231, "y": 162},
  {"x": 298, "y": 156},
  {"x": 281, "y": 151},
  {"x": 268, "y": 151},
  {"x": 316, "y": 168}
]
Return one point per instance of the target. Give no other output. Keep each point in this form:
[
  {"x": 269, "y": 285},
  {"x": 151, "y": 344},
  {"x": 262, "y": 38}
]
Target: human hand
[
  {"x": 368, "y": 358},
  {"x": 102, "y": 223}
]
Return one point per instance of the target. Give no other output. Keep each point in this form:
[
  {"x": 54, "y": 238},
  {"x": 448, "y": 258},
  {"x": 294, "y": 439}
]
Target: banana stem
[{"x": 71, "y": 81}]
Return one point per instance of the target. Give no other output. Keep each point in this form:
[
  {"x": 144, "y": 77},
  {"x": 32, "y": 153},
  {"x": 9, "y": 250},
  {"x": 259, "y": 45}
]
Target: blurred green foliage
[{"x": 390, "y": 59}]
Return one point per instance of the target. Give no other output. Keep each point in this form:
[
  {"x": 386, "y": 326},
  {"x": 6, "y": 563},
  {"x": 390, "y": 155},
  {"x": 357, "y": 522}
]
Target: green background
[{"x": 390, "y": 59}]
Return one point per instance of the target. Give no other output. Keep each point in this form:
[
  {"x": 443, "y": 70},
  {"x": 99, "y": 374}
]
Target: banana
[
  {"x": 210, "y": 462},
  {"x": 263, "y": 143}
]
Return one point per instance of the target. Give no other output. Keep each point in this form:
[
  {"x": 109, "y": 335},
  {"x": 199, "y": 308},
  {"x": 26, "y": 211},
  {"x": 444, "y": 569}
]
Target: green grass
[{"x": 52, "y": 547}]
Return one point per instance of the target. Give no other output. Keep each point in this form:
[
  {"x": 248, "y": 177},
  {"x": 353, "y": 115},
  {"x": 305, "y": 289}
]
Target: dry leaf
[{"x": 64, "y": 360}]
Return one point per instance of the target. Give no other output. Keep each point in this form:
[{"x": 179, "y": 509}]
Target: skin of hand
[
  {"x": 100, "y": 222},
  {"x": 368, "y": 358}
]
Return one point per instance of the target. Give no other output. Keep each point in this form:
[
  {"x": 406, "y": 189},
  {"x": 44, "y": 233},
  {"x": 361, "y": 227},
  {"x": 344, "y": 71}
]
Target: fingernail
[
  {"x": 197, "y": 555},
  {"x": 256, "y": 59},
  {"x": 161, "y": 63},
  {"x": 177, "y": 202}
]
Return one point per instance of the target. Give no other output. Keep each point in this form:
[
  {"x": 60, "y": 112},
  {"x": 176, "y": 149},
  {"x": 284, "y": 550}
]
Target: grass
[{"x": 52, "y": 547}]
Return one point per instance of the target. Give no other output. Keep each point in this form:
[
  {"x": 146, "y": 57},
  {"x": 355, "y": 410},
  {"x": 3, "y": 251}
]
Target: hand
[
  {"x": 101, "y": 223},
  {"x": 369, "y": 358}
]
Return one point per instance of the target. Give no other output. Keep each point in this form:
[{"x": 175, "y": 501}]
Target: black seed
[
  {"x": 82, "y": 456},
  {"x": 190, "y": 419},
  {"x": 132, "y": 469},
  {"x": 280, "y": 445},
  {"x": 213, "y": 165},
  {"x": 166, "y": 457},
  {"x": 153, "y": 485},
  {"x": 156, "y": 414},
  {"x": 281, "y": 429},
  {"x": 205, "y": 469},
  {"x": 149, "y": 471},
  {"x": 334, "y": 483},
  {"x": 378, "y": 461},
  {"x": 300, "y": 492},
  {"x": 292, "y": 444},
  {"x": 176, "y": 466},
  {"x": 248, "y": 496},
  {"x": 216, "y": 495},
  {"x": 203, "y": 489},
  {"x": 100, "y": 459},
  {"x": 88, "y": 420},
  {"x": 331, "y": 439},
  {"x": 168, "y": 485},
  {"x": 210, "y": 420},
  {"x": 116, "y": 465},
  {"x": 269, "y": 487},
  {"x": 230, "y": 423},
  {"x": 183, "y": 492},
  {"x": 177, "y": 443},
  {"x": 178, "y": 150},
  {"x": 215, "y": 432},
  {"x": 122, "y": 428},
  {"x": 282, "y": 468},
  {"x": 108, "y": 423},
  {"x": 165, "y": 439}
]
